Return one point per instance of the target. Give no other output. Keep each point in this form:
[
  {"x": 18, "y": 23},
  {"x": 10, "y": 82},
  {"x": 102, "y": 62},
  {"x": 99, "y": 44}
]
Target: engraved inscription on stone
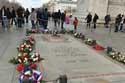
[{"x": 68, "y": 51}]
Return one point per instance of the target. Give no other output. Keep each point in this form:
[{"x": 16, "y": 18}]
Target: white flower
[
  {"x": 33, "y": 55},
  {"x": 112, "y": 53},
  {"x": 19, "y": 54},
  {"x": 35, "y": 59},
  {"x": 30, "y": 49},
  {"x": 19, "y": 60}
]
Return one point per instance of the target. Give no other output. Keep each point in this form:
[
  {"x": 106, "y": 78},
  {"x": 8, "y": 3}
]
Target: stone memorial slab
[{"x": 76, "y": 60}]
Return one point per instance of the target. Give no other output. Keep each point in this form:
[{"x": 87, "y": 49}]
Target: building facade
[
  {"x": 9, "y": 3},
  {"x": 63, "y": 5},
  {"x": 101, "y": 7}
]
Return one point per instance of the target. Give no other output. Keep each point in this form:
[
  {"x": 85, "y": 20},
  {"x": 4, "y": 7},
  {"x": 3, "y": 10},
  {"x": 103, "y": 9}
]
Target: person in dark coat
[
  {"x": 8, "y": 13},
  {"x": 20, "y": 16},
  {"x": 117, "y": 22},
  {"x": 122, "y": 22},
  {"x": 3, "y": 12},
  {"x": 9, "y": 16},
  {"x": 44, "y": 18},
  {"x": 38, "y": 13},
  {"x": 13, "y": 15},
  {"x": 27, "y": 13},
  {"x": 56, "y": 18},
  {"x": 63, "y": 16},
  {"x": 96, "y": 17},
  {"x": 4, "y": 17},
  {"x": 89, "y": 19},
  {"x": 49, "y": 15},
  {"x": 107, "y": 20}
]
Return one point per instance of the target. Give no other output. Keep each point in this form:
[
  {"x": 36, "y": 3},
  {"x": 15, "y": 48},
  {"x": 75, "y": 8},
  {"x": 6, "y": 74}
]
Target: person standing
[
  {"x": 20, "y": 16},
  {"x": 122, "y": 21},
  {"x": 46, "y": 18},
  {"x": 49, "y": 16},
  {"x": 3, "y": 16},
  {"x": 33, "y": 18},
  {"x": 89, "y": 19},
  {"x": 58, "y": 17},
  {"x": 96, "y": 17},
  {"x": 13, "y": 14},
  {"x": 63, "y": 16},
  {"x": 27, "y": 13},
  {"x": 107, "y": 20},
  {"x": 9, "y": 16},
  {"x": 117, "y": 22},
  {"x": 38, "y": 17},
  {"x": 75, "y": 23},
  {"x": 55, "y": 18},
  {"x": 23, "y": 19}
]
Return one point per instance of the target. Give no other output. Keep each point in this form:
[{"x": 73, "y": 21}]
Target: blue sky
[{"x": 32, "y": 3}]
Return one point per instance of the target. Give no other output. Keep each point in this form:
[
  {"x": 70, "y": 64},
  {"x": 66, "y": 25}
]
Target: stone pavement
[
  {"x": 78, "y": 61},
  {"x": 60, "y": 56},
  {"x": 9, "y": 40},
  {"x": 105, "y": 37}
]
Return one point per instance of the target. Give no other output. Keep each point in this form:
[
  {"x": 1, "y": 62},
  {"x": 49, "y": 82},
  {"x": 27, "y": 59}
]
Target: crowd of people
[
  {"x": 119, "y": 21},
  {"x": 20, "y": 16},
  {"x": 64, "y": 20},
  {"x": 39, "y": 16},
  {"x": 8, "y": 16}
]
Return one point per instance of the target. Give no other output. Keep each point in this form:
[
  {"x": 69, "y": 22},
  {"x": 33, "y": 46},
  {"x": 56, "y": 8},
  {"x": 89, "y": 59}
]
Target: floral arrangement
[
  {"x": 35, "y": 57},
  {"x": 29, "y": 73},
  {"x": 98, "y": 47},
  {"x": 115, "y": 55},
  {"x": 79, "y": 35},
  {"x": 90, "y": 41},
  {"x": 110, "y": 51},
  {"x": 25, "y": 52},
  {"x": 27, "y": 45},
  {"x": 26, "y": 60}
]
